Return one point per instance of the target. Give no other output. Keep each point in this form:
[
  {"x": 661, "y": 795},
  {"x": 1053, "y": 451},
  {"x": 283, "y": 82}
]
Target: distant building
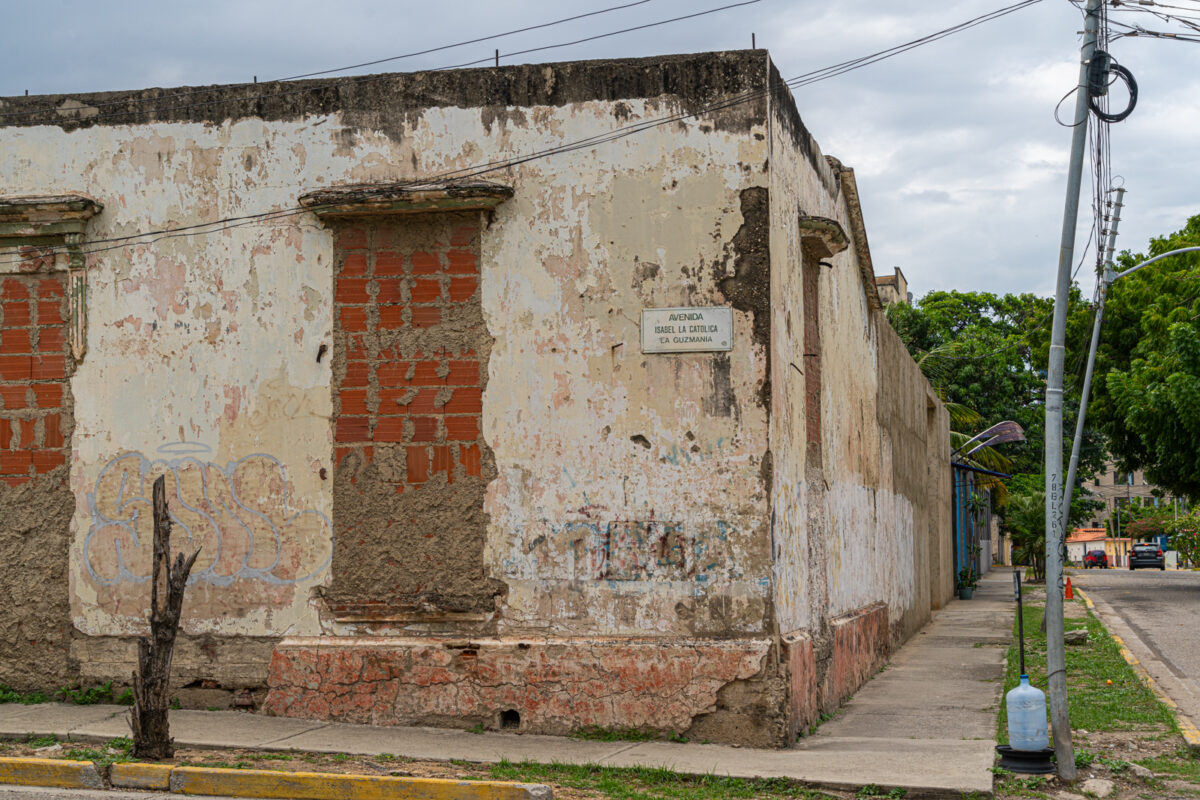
[
  {"x": 893, "y": 288},
  {"x": 1118, "y": 489},
  {"x": 1082, "y": 540}
]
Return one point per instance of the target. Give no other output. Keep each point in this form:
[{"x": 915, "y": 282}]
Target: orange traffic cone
[{"x": 1070, "y": 595}]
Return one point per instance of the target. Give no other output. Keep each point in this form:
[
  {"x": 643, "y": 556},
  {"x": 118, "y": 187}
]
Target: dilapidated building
[{"x": 545, "y": 397}]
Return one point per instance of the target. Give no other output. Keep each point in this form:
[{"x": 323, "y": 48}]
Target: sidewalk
[{"x": 927, "y": 723}]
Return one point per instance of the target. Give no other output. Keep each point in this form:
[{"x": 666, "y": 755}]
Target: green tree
[
  {"x": 1185, "y": 536},
  {"x": 988, "y": 353},
  {"x": 1147, "y": 392}
]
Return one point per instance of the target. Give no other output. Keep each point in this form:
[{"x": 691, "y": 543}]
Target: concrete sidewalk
[{"x": 927, "y": 723}]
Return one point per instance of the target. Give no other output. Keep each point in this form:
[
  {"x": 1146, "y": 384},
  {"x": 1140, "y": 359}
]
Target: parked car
[
  {"x": 1095, "y": 558},
  {"x": 1146, "y": 554}
]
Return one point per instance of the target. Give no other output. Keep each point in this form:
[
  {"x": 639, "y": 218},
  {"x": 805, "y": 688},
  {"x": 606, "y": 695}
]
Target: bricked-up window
[
  {"x": 33, "y": 373},
  {"x": 811, "y": 275},
  {"x": 410, "y": 366}
]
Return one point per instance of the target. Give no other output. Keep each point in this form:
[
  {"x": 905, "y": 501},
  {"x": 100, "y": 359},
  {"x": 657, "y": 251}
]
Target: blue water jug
[{"x": 1027, "y": 717}]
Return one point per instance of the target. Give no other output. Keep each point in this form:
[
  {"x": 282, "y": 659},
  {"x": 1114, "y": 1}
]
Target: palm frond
[{"x": 961, "y": 416}]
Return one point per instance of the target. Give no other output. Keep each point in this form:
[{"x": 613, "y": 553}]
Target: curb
[
  {"x": 1187, "y": 728},
  {"x": 62, "y": 774}
]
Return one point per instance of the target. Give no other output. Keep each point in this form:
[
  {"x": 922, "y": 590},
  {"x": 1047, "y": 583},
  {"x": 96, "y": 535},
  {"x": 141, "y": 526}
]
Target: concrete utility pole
[
  {"x": 1056, "y": 669},
  {"x": 1105, "y": 280}
]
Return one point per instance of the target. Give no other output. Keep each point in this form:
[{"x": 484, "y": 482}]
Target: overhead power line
[
  {"x": 148, "y": 237},
  {"x": 478, "y": 40},
  {"x": 119, "y": 108}
]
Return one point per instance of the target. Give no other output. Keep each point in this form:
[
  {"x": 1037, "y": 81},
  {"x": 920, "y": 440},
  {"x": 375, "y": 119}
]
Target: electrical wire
[
  {"x": 104, "y": 245},
  {"x": 440, "y": 48},
  {"x": 126, "y": 102},
  {"x": 464, "y": 43}
]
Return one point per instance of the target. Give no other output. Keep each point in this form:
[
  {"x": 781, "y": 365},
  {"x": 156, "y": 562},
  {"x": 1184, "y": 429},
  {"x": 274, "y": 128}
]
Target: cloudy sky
[{"x": 959, "y": 160}]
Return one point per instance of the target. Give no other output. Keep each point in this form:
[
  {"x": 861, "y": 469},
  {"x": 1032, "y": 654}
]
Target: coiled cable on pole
[{"x": 1101, "y": 67}]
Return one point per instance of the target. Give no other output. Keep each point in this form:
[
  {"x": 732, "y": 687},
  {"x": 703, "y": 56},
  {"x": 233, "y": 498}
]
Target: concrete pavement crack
[
  {"x": 619, "y": 750},
  {"x": 294, "y": 735}
]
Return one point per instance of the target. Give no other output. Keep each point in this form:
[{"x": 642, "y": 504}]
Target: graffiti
[
  {"x": 633, "y": 550},
  {"x": 239, "y": 514}
]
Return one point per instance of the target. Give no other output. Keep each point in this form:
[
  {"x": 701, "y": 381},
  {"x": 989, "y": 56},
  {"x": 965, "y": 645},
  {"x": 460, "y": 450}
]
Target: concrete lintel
[
  {"x": 46, "y": 215},
  {"x": 405, "y": 198},
  {"x": 47, "y": 232},
  {"x": 822, "y": 237}
]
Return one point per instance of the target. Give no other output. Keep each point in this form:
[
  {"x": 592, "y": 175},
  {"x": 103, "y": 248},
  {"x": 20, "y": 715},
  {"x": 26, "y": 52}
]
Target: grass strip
[
  {"x": 1103, "y": 691},
  {"x": 648, "y": 783}
]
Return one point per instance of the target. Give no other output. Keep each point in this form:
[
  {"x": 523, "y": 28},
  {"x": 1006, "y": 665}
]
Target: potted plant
[{"x": 967, "y": 581}]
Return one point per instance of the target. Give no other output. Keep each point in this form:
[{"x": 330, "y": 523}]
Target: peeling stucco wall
[
  {"x": 630, "y": 494},
  {"x": 855, "y": 528}
]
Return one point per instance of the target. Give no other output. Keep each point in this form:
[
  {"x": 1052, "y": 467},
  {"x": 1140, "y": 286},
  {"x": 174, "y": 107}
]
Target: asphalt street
[{"x": 1158, "y": 615}]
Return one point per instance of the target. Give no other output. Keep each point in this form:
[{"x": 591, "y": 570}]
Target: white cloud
[{"x": 960, "y": 164}]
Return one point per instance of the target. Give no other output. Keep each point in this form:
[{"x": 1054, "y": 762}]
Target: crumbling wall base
[{"x": 552, "y": 686}]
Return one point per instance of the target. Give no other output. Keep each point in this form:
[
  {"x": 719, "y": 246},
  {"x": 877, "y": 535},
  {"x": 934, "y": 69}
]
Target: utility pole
[
  {"x": 1060, "y": 721},
  {"x": 1105, "y": 279}
]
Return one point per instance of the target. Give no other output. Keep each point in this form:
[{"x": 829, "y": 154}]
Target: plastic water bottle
[{"x": 1027, "y": 717}]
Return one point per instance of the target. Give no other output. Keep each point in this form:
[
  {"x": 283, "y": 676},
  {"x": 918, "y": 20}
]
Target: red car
[{"x": 1095, "y": 558}]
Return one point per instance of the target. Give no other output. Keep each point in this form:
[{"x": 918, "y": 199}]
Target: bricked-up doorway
[
  {"x": 411, "y": 465},
  {"x": 42, "y": 336}
]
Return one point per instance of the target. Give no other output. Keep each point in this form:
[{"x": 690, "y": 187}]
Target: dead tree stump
[{"x": 151, "y": 681}]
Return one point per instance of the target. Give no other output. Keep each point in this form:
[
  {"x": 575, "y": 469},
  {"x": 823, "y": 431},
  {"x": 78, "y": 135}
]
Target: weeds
[
  {"x": 86, "y": 697},
  {"x": 9, "y": 695},
  {"x": 114, "y": 751},
  {"x": 596, "y": 733}
]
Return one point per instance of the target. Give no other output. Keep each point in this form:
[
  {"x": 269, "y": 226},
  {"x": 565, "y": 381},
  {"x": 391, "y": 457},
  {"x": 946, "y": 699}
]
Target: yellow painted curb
[
  {"x": 322, "y": 785},
  {"x": 54, "y": 772},
  {"x": 1191, "y": 734},
  {"x": 141, "y": 776}
]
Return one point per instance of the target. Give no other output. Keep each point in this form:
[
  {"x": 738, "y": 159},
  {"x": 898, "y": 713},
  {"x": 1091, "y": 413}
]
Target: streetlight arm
[{"x": 1150, "y": 261}]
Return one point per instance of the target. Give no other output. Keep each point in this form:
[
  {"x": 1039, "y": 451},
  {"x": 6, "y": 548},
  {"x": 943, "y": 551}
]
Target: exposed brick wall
[
  {"x": 410, "y": 358},
  {"x": 33, "y": 372},
  {"x": 428, "y": 401}
]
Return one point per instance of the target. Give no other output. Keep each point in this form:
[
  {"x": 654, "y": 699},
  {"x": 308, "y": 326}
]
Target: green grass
[
  {"x": 1180, "y": 765},
  {"x": 647, "y": 783},
  {"x": 1092, "y": 704},
  {"x": 41, "y": 741},
  {"x": 595, "y": 733}
]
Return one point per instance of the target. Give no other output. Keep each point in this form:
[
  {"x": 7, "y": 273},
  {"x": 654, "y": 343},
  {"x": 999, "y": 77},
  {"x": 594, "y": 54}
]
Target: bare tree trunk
[{"x": 151, "y": 682}]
